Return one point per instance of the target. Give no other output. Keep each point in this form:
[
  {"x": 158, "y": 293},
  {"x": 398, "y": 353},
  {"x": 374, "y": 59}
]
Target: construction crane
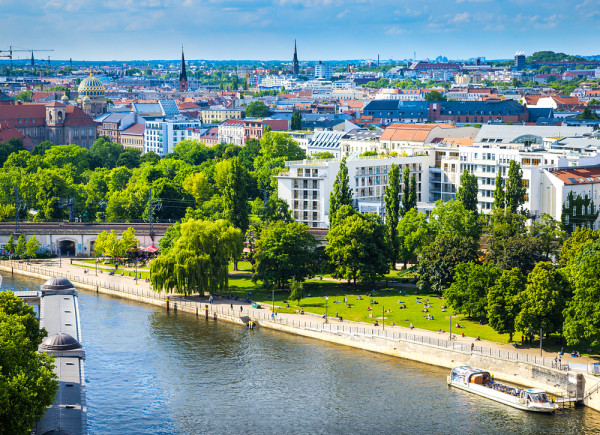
[{"x": 12, "y": 50}]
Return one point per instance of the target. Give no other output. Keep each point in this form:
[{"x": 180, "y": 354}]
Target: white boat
[{"x": 480, "y": 382}]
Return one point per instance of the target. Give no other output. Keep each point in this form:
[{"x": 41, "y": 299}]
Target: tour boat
[{"x": 480, "y": 382}]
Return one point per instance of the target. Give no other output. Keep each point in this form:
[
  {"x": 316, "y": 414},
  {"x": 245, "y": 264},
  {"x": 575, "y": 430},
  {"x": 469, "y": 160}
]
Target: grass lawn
[
  {"x": 357, "y": 310},
  {"x": 108, "y": 269}
]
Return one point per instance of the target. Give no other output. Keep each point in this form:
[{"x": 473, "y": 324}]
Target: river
[{"x": 152, "y": 372}]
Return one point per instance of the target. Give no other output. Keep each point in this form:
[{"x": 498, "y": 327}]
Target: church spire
[
  {"x": 295, "y": 66},
  {"x": 183, "y": 81}
]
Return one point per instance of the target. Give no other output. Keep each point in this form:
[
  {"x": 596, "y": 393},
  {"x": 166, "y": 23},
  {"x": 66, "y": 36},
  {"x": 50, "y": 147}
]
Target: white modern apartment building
[
  {"x": 323, "y": 71},
  {"x": 307, "y": 185},
  {"x": 232, "y": 131},
  {"x": 162, "y": 136}
]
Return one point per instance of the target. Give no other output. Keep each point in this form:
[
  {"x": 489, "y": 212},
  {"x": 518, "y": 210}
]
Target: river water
[{"x": 152, "y": 372}]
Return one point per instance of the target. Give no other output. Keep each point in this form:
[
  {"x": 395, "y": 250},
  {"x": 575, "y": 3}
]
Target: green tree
[
  {"x": 413, "y": 235},
  {"x": 296, "y": 121},
  {"x": 515, "y": 190},
  {"x": 24, "y": 96},
  {"x": 27, "y": 383},
  {"x": 235, "y": 194},
  {"x": 438, "y": 260},
  {"x": 341, "y": 193},
  {"x": 297, "y": 292},
  {"x": 198, "y": 260},
  {"x": 129, "y": 158},
  {"x": 587, "y": 114},
  {"x": 32, "y": 246},
  {"x": 198, "y": 185},
  {"x": 284, "y": 251},
  {"x": 322, "y": 155},
  {"x": 20, "y": 248},
  {"x": 511, "y": 243},
  {"x": 392, "y": 212},
  {"x": 435, "y": 96},
  {"x": 451, "y": 217},
  {"x": 105, "y": 153},
  {"x": 10, "y": 244},
  {"x": 575, "y": 243},
  {"x": 41, "y": 148},
  {"x": 503, "y": 301},
  {"x": 468, "y": 190},
  {"x": 582, "y": 314},
  {"x": 549, "y": 236},
  {"x": 256, "y": 109},
  {"x": 356, "y": 247},
  {"x": 542, "y": 301},
  {"x": 409, "y": 191},
  {"x": 468, "y": 291},
  {"x": 499, "y": 194}
]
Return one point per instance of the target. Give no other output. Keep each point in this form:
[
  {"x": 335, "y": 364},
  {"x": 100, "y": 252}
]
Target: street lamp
[
  {"x": 383, "y": 317},
  {"x": 273, "y": 309},
  {"x": 96, "y": 261},
  {"x": 326, "y": 298},
  {"x": 450, "y": 325}
]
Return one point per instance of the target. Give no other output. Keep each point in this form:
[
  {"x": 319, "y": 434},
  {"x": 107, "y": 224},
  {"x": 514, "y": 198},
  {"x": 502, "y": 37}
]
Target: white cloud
[{"x": 396, "y": 30}]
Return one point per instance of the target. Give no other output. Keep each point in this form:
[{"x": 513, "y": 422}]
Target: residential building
[
  {"x": 232, "y": 131},
  {"x": 519, "y": 61},
  {"x": 113, "y": 124},
  {"x": 323, "y": 71},
  {"x": 209, "y": 136},
  {"x": 217, "y": 115},
  {"x": 356, "y": 142},
  {"x": 307, "y": 185},
  {"x": 161, "y": 136},
  {"x": 133, "y": 136},
  {"x": 397, "y": 110},
  {"x": 477, "y": 111}
]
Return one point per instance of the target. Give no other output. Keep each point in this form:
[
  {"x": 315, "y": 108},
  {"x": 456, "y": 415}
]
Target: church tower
[
  {"x": 183, "y": 81},
  {"x": 295, "y": 66}
]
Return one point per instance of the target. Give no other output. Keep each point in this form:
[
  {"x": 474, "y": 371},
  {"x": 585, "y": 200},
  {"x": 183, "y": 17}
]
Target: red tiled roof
[{"x": 578, "y": 175}]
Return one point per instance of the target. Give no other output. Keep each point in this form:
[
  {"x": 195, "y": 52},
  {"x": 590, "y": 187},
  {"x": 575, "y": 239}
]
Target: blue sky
[{"x": 325, "y": 29}]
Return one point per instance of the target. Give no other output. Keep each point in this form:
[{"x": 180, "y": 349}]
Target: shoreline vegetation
[{"x": 382, "y": 302}]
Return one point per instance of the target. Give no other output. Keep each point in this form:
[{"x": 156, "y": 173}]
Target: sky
[{"x": 324, "y": 29}]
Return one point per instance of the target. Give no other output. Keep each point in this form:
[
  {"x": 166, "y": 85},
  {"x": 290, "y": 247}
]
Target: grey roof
[
  {"x": 147, "y": 108},
  {"x": 504, "y": 107},
  {"x": 169, "y": 107},
  {"x": 363, "y": 134},
  {"x": 326, "y": 139},
  {"x": 57, "y": 283},
  {"x": 509, "y": 133},
  {"x": 60, "y": 342}
]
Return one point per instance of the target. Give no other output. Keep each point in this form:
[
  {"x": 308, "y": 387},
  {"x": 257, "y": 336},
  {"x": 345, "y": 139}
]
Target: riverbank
[{"x": 417, "y": 345}]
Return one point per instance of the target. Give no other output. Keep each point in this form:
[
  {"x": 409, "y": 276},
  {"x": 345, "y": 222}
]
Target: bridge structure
[
  {"x": 76, "y": 239},
  {"x": 71, "y": 239},
  {"x": 58, "y": 310}
]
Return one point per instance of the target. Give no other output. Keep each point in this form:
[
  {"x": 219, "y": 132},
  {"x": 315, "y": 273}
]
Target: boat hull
[{"x": 500, "y": 397}]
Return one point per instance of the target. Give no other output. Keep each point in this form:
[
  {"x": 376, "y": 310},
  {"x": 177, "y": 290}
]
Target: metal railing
[
  {"x": 85, "y": 279},
  {"x": 349, "y": 328}
]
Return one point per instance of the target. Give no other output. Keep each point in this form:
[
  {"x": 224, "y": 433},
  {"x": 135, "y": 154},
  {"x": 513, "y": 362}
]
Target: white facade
[
  {"x": 232, "y": 131},
  {"x": 307, "y": 186},
  {"x": 323, "y": 71},
  {"x": 162, "y": 136}
]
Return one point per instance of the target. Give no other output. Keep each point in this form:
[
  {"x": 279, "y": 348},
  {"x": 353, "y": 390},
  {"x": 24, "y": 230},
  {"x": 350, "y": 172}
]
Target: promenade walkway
[{"x": 239, "y": 308}]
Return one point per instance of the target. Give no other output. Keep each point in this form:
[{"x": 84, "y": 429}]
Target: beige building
[
  {"x": 212, "y": 116},
  {"x": 133, "y": 137}
]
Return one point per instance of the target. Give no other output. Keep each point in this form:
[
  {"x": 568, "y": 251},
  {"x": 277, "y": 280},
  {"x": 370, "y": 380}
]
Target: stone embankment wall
[{"x": 508, "y": 369}]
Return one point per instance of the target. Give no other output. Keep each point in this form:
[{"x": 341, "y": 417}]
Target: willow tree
[{"x": 197, "y": 261}]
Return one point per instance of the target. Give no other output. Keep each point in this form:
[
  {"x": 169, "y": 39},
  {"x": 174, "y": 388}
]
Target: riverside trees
[
  {"x": 198, "y": 259},
  {"x": 27, "y": 383}
]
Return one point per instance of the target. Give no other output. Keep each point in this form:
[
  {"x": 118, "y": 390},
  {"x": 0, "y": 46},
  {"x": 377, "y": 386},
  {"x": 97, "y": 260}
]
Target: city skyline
[{"x": 265, "y": 30}]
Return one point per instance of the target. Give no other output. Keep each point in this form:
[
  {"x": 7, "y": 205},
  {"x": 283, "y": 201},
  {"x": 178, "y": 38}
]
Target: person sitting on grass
[
  {"x": 412, "y": 326},
  {"x": 376, "y": 323}
]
